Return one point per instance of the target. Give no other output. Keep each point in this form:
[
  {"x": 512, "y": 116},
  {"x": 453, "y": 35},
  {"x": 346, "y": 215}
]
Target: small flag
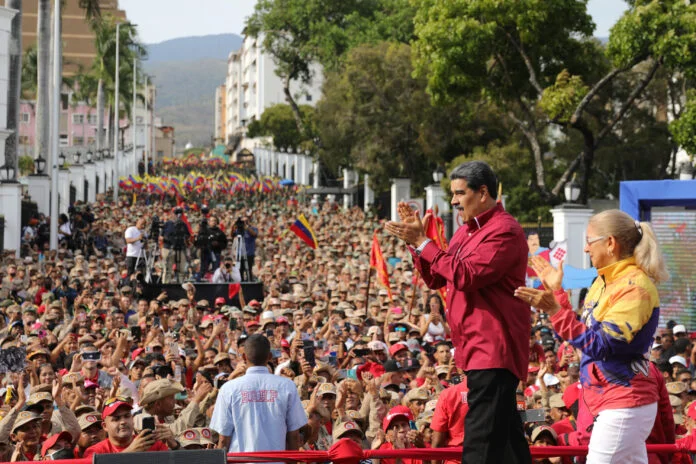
[
  {"x": 302, "y": 229},
  {"x": 380, "y": 265},
  {"x": 435, "y": 231},
  {"x": 558, "y": 252},
  {"x": 232, "y": 290}
]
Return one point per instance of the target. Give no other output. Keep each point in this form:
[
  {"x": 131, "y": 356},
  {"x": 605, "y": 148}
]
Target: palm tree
[
  {"x": 103, "y": 68},
  {"x": 43, "y": 28},
  {"x": 15, "y": 87}
]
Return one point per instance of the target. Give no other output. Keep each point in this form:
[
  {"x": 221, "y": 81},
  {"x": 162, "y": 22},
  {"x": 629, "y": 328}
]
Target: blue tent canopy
[{"x": 638, "y": 196}]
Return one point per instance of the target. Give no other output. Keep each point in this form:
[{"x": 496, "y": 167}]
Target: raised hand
[
  {"x": 543, "y": 300},
  {"x": 551, "y": 277}
]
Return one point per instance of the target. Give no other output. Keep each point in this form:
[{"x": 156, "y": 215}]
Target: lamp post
[
  {"x": 40, "y": 164},
  {"x": 90, "y": 157},
  {"x": 572, "y": 191},
  {"x": 55, "y": 122},
  {"x": 438, "y": 175},
  {"x": 7, "y": 173},
  {"x": 77, "y": 157},
  {"x": 61, "y": 160},
  {"x": 117, "y": 78}
]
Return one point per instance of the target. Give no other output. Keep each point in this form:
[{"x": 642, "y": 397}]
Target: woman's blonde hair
[{"x": 635, "y": 239}]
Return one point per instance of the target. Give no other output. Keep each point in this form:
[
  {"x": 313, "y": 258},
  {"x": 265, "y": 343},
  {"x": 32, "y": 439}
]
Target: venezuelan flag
[{"x": 302, "y": 229}]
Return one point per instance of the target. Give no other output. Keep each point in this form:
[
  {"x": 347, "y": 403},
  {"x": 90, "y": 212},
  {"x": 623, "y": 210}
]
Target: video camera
[
  {"x": 156, "y": 226},
  {"x": 239, "y": 226}
]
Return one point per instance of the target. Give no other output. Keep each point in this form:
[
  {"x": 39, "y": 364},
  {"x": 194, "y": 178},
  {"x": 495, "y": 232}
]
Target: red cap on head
[
  {"x": 252, "y": 324},
  {"x": 53, "y": 439},
  {"x": 113, "y": 407},
  {"x": 691, "y": 413},
  {"x": 396, "y": 347},
  {"x": 533, "y": 369},
  {"x": 284, "y": 343},
  {"x": 136, "y": 353},
  {"x": 395, "y": 413},
  {"x": 254, "y": 303},
  {"x": 220, "y": 300}
]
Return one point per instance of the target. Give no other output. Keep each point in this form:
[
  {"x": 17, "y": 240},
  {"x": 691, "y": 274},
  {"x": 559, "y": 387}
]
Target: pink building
[{"x": 78, "y": 125}]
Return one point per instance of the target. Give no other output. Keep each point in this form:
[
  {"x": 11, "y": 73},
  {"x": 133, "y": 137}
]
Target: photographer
[
  {"x": 134, "y": 236},
  {"x": 175, "y": 236},
  {"x": 248, "y": 233},
  {"x": 227, "y": 272},
  {"x": 211, "y": 240}
]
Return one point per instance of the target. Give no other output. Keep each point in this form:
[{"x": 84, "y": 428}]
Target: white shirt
[
  {"x": 257, "y": 410},
  {"x": 133, "y": 249},
  {"x": 65, "y": 229},
  {"x": 221, "y": 277}
]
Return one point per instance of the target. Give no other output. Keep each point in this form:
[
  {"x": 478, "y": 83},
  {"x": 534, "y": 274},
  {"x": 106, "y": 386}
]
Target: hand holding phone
[{"x": 149, "y": 423}]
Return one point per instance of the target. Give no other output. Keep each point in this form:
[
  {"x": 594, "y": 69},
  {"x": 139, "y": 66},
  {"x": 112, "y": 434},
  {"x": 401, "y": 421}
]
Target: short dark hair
[
  {"x": 257, "y": 349},
  {"x": 477, "y": 174}
]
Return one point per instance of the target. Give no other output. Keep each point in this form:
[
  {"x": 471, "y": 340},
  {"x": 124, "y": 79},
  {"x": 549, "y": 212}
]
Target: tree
[
  {"x": 278, "y": 122},
  {"x": 534, "y": 59},
  {"x": 684, "y": 129},
  {"x": 376, "y": 117}
]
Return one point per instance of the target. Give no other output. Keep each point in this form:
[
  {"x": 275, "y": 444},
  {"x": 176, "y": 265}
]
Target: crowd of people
[{"x": 109, "y": 370}]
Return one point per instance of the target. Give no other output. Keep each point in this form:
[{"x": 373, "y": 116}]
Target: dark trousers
[{"x": 493, "y": 431}]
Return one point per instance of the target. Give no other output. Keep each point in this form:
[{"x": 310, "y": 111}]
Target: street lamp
[
  {"x": 282, "y": 149},
  {"x": 572, "y": 190},
  {"x": 40, "y": 164},
  {"x": 61, "y": 159},
  {"x": 78, "y": 157},
  {"x": 90, "y": 157},
  {"x": 7, "y": 173},
  {"x": 438, "y": 175}
]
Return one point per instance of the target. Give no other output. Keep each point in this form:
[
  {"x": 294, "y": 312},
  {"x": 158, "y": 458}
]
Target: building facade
[
  {"x": 78, "y": 38},
  {"x": 252, "y": 86}
]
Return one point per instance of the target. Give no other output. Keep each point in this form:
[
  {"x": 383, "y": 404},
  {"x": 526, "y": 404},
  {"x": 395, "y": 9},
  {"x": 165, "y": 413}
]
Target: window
[
  {"x": 24, "y": 140},
  {"x": 63, "y": 140},
  {"x": 92, "y": 119},
  {"x": 64, "y": 100},
  {"x": 78, "y": 118},
  {"x": 78, "y": 141},
  {"x": 160, "y": 153},
  {"x": 24, "y": 118},
  {"x": 90, "y": 141},
  {"x": 309, "y": 98}
]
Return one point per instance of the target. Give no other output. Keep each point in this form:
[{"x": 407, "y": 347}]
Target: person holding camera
[
  {"x": 175, "y": 236},
  {"x": 248, "y": 234},
  {"x": 227, "y": 272},
  {"x": 134, "y": 236},
  {"x": 212, "y": 241}
]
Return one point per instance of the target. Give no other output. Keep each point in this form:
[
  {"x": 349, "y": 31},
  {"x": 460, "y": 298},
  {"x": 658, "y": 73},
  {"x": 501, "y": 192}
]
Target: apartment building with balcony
[{"x": 252, "y": 85}]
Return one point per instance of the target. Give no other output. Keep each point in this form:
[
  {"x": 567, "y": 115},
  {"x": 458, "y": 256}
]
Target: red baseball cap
[
  {"x": 251, "y": 324},
  {"x": 284, "y": 343},
  {"x": 572, "y": 394},
  {"x": 136, "y": 353},
  {"x": 111, "y": 408},
  {"x": 530, "y": 390},
  {"x": 533, "y": 369},
  {"x": 395, "y": 413},
  {"x": 691, "y": 412},
  {"x": 396, "y": 347},
  {"x": 282, "y": 320},
  {"x": 53, "y": 439},
  {"x": 254, "y": 303},
  {"x": 220, "y": 301}
]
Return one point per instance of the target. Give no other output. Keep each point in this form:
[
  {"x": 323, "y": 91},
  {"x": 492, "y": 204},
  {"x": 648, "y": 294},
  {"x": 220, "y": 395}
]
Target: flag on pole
[
  {"x": 302, "y": 229},
  {"x": 380, "y": 265},
  {"x": 435, "y": 230},
  {"x": 500, "y": 194}
]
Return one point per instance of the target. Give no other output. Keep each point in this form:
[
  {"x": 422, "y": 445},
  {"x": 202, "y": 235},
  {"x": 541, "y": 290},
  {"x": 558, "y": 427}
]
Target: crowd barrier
[{"x": 346, "y": 451}]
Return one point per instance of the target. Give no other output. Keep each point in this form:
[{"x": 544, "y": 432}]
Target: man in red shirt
[
  {"x": 118, "y": 423},
  {"x": 447, "y": 423},
  {"x": 485, "y": 261}
]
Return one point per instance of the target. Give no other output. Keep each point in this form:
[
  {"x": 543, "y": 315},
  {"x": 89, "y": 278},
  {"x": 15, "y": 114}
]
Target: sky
[{"x": 160, "y": 20}]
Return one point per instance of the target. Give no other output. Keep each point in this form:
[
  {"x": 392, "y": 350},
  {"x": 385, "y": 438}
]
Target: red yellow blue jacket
[{"x": 614, "y": 333}]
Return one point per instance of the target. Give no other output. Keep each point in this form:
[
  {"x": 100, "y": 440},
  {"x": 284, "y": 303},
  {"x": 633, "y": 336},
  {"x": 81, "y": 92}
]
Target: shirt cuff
[{"x": 422, "y": 246}]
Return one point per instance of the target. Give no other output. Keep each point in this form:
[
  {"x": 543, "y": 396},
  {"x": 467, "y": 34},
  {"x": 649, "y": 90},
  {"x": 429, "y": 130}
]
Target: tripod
[{"x": 240, "y": 254}]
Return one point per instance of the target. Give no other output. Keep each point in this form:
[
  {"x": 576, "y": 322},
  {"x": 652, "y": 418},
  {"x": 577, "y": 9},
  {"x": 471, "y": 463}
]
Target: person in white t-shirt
[{"x": 134, "y": 236}]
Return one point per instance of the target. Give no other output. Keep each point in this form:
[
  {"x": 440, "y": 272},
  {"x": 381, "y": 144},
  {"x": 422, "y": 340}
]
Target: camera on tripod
[
  {"x": 239, "y": 226},
  {"x": 156, "y": 227}
]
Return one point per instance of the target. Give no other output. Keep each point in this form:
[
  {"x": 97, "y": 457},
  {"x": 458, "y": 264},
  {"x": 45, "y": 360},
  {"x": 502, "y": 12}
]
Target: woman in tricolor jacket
[{"x": 614, "y": 332}]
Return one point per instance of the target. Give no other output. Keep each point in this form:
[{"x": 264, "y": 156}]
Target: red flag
[
  {"x": 232, "y": 290},
  {"x": 380, "y": 265},
  {"x": 435, "y": 230}
]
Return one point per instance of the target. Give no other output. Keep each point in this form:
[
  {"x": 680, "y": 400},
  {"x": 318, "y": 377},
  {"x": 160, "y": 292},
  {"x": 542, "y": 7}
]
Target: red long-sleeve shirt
[{"x": 484, "y": 264}]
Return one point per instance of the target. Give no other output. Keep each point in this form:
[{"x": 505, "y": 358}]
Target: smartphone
[
  {"x": 360, "y": 352},
  {"x": 233, "y": 323},
  {"x": 412, "y": 424},
  {"x": 156, "y": 321},
  {"x": 333, "y": 360},
  {"x": 149, "y": 423},
  {"x": 309, "y": 355},
  {"x": 136, "y": 331},
  {"x": 269, "y": 333},
  {"x": 174, "y": 348},
  {"x": 534, "y": 415},
  {"x": 91, "y": 356},
  {"x": 308, "y": 344}
]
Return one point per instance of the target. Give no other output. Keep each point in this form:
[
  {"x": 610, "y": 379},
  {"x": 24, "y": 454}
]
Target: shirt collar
[
  {"x": 479, "y": 221},
  {"x": 614, "y": 271},
  {"x": 257, "y": 370}
]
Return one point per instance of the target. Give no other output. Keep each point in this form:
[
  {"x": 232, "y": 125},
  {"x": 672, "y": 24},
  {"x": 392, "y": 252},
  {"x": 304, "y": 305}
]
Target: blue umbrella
[{"x": 287, "y": 182}]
